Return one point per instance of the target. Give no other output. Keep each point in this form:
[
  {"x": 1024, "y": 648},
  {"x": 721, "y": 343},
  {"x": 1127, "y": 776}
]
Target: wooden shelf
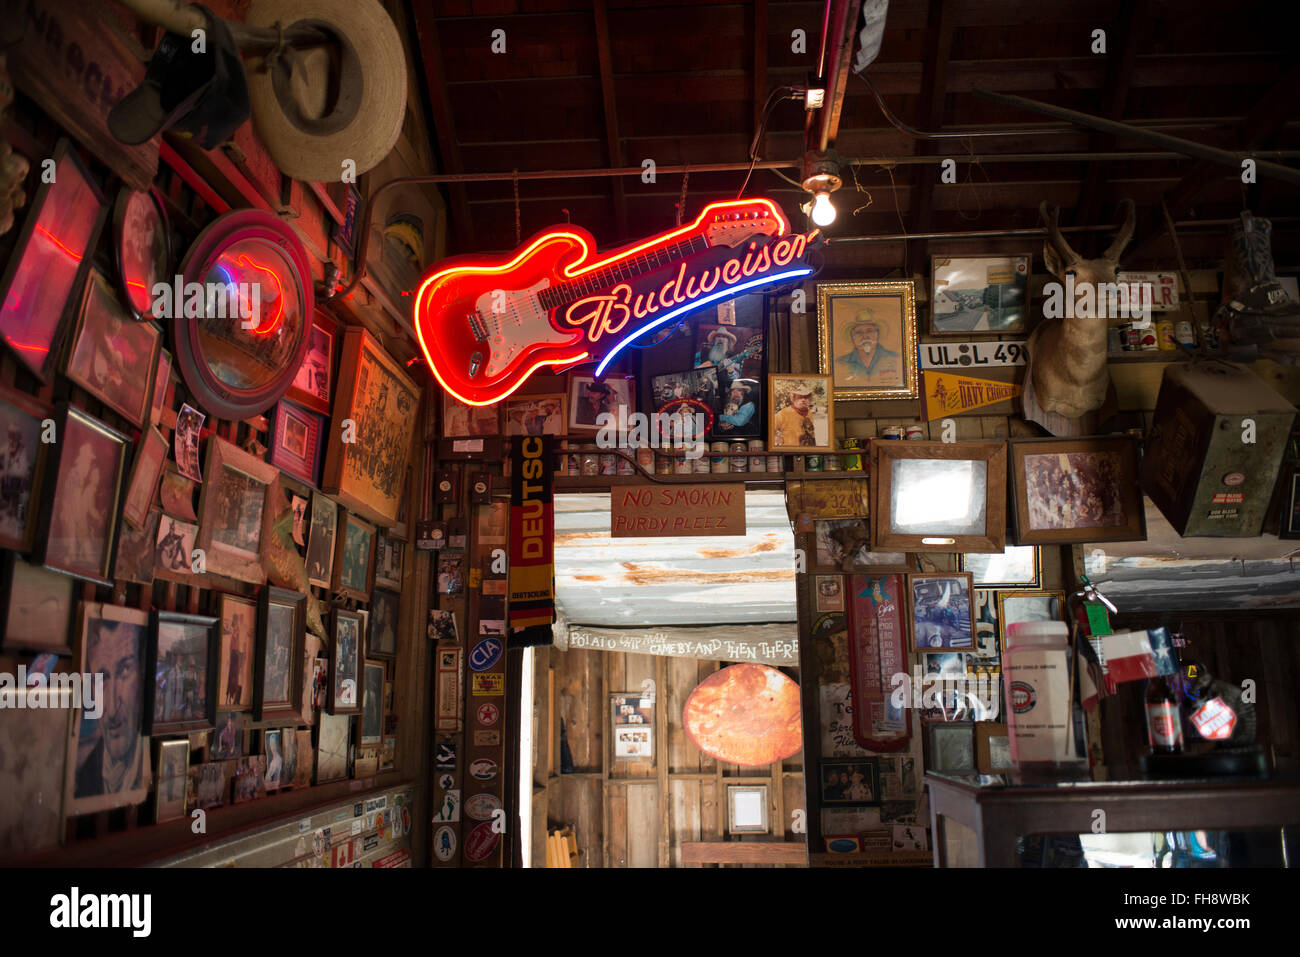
[
  {"x": 1158, "y": 355},
  {"x": 600, "y": 483}
]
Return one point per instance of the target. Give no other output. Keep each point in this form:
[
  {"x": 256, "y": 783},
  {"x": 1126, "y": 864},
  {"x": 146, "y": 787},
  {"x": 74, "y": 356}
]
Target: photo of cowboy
[
  {"x": 590, "y": 398},
  {"x": 801, "y": 413},
  {"x": 739, "y": 417}
]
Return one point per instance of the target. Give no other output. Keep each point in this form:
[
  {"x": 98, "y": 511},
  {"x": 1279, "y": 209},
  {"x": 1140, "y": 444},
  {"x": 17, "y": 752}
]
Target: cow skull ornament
[{"x": 1067, "y": 356}]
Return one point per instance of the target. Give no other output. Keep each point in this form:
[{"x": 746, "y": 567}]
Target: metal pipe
[
  {"x": 995, "y": 233},
  {"x": 922, "y": 135},
  {"x": 1116, "y": 128}
]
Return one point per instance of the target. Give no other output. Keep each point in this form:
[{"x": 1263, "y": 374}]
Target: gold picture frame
[
  {"x": 1041, "y": 595},
  {"x": 891, "y": 307}
]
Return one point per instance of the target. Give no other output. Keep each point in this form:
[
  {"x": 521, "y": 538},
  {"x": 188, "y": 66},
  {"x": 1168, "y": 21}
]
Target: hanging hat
[{"x": 308, "y": 133}]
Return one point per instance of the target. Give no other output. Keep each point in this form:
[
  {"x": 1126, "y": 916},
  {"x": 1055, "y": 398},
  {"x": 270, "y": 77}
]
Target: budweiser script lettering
[{"x": 608, "y": 313}]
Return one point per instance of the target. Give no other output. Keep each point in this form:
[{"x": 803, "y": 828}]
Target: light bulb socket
[{"x": 819, "y": 171}]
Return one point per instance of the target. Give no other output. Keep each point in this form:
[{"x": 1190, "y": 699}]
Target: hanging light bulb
[{"x": 823, "y": 210}]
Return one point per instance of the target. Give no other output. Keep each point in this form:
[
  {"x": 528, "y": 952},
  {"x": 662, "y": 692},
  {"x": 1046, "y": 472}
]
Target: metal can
[
  {"x": 774, "y": 463},
  {"x": 1165, "y": 336},
  {"x": 738, "y": 461},
  {"x": 608, "y": 464},
  {"x": 915, "y": 433},
  {"x": 833, "y": 463},
  {"x": 1148, "y": 338},
  {"x": 893, "y": 432},
  {"x": 757, "y": 463},
  {"x": 625, "y": 466},
  {"x": 719, "y": 462},
  {"x": 1114, "y": 340},
  {"x": 812, "y": 463},
  {"x": 682, "y": 465},
  {"x": 852, "y": 463},
  {"x": 663, "y": 464},
  {"x": 1128, "y": 337},
  {"x": 645, "y": 457},
  {"x": 1184, "y": 335},
  {"x": 590, "y": 462},
  {"x": 700, "y": 464}
]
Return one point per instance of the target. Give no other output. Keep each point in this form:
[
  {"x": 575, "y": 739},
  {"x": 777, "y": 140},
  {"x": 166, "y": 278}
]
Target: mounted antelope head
[{"x": 1067, "y": 356}]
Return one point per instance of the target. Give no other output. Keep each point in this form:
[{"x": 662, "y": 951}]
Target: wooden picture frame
[
  {"x": 174, "y": 542},
  {"x": 232, "y": 511},
  {"x": 313, "y": 384},
  {"x": 948, "y": 609},
  {"x": 383, "y": 621},
  {"x": 346, "y": 657},
  {"x": 620, "y": 391},
  {"x": 273, "y": 751},
  {"x": 908, "y": 478},
  {"x": 321, "y": 538},
  {"x": 146, "y": 472},
  {"x": 275, "y": 696},
  {"x": 463, "y": 421},
  {"x": 162, "y": 378},
  {"x": 235, "y": 673},
  {"x": 1000, "y": 571},
  {"x": 743, "y": 800},
  {"x": 22, "y": 469},
  {"x": 168, "y": 709},
  {"x": 37, "y": 607},
  {"x": 950, "y": 747},
  {"x": 789, "y": 426},
  {"x": 297, "y": 441},
  {"x": 376, "y": 394},
  {"x": 890, "y": 372},
  {"x": 172, "y": 780},
  {"x": 528, "y": 414},
  {"x": 350, "y": 580},
  {"x": 1039, "y": 600},
  {"x": 1058, "y": 485},
  {"x": 390, "y": 559},
  {"x": 333, "y": 742},
  {"x": 991, "y": 757},
  {"x": 850, "y": 782},
  {"x": 996, "y": 285},
  {"x": 370, "y": 729}
]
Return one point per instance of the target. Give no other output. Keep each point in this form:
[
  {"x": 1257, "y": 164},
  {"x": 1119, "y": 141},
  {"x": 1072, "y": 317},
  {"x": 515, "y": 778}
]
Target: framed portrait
[
  {"x": 1071, "y": 491},
  {"x": 305, "y": 758},
  {"x": 367, "y": 475},
  {"x": 590, "y": 398},
  {"x": 942, "y": 609},
  {"x": 36, "y": 607},
  {"x": 381, "y": 631},
  {"x": 460, "y": 420},
  {"x": 320, "y": 540},
  {"x": 747, "y": 811},
  {"x": 1016, "y": 567},
  {"x": 372, "y": 714},
  {"x": 79, "y": 514},
  {"x": 108, "y": 754},
  {"x": 951, "y": 746},
  {"x": 250, "y": 778},
  {"x": 185, "y": 441},
  {"x": 734, "y": 350},
  {"x": 800, "y": 417},
  {"x": 21, "y": 467},
  {"x": 354, "y": 558},
  {"x": 944, "y": 664},
  {"x": 866, "y": 339},
  {"x": 173, "y": 777},
  {"x": 273, "y": 745},
  {"x": 50, "y": 260},
  {"x": 143, "y": 248},
  {"x": 1028, "y": 606},
  {"x": 534, "y": 415},
  {"x": 854, "y": 783},
  {"x": 698, "y": 385},
  {"x": 333, "y": 734},
  {"x": 174, "y": 549},
  {"x": 986, "y": 625},
  {"x": 134, "y": 561},
  {"x": 183, "y": 657},
  {"x": 389, "y": 555},
  {"x": 347, "y": 652},
  {"x": 210, "y": 783},
  {"x": 992, "y": 748},
  {"x": 33, "y": 739},
  {"x": 297, "y": 441},
  {"x": 228, "y": 740},
  {"x": 146, "y": 473},
  {"x": 232, "y": 509},
  {"x": 312, "y": 386},
  {"x": 979, "y": 294},
  {"x": 111, "y": 355},
  {"x": 281, "y": 623},
  {"x": 939, "y": 496},
  {"x": 161, "y": 380},
  {"x": 238, "y": 636}
]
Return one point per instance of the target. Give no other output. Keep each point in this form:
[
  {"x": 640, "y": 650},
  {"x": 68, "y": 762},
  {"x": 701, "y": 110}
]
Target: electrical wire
[
  {"x": 773, "y": 98},
  {"x": 922, "y": 135}
]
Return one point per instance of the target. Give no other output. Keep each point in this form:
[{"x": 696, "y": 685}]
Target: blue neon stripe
[{"x": 682, "y": 310}]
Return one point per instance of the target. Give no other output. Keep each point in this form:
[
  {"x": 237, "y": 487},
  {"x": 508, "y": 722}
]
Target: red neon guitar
[{"x": 486, "y": 325}]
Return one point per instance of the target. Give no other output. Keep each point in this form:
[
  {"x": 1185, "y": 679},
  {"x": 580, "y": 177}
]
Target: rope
[{"x": 681, "y": 200}]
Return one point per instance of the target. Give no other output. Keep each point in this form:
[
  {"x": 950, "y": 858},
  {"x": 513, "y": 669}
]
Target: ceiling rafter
[
  {"x": 940, "y": 25},
  {"x": 614, "y": 145}
]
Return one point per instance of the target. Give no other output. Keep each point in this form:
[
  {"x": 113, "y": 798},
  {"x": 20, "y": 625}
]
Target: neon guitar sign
[{"x": 485, "y": 326}]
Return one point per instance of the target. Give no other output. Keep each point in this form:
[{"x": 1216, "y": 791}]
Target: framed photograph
[
  {"x": 801, "y": 417},
  {"x": 354, "y": 558},
  {"x": 460, "y": 420},
  {"x": 589, "y": 399},
  {"x": 381, "y": 400},
  {"x": 866, "y": 339},
  {"x": 952, "y": 746},
  {"x": 79, "y": 514},
  {"x": 108, "y": 754},
  {"x": 442, "y": 627},
  {"x": 1071, "y": 491},
  {"x": 346, "y": 655},
  {"x": 189, "y": 430},
  {"x": 979, "y": 294},
  {"x": 388, "y": 562},
  {"x": 238, "y": 634},
  {"x": 312, "y": 386},
  {"x": 1290, "y": 527},
  {"x": 853, "y": 783},
  {"x": 320, "y": 540},
  {"x": 50, "y": 260},
  {"x": 161, "y": 379},
  {"x": 333, "y": 734},
  {"x": 232, "y": 508},
  {"x": 372, "y": 714},
  {"x": 844, "y": 544},
  {"x": 747, "y": 811},
  {"x": 228, "y": 740},
  {"x": 992, "y": 748},
  {"x": 939, "y": 496},
  {"x": 1028, "y": 606},
  {"x": 735, "y": 351},
  {"x": 210, "y": 783},
  {"x": 297, "y": 441},
  {"x": 33, "y": 740},
  {"x": 146, "y": 473},
  {"x": 173, "y": 778},
  {"x": 174, "y": 549},
  {"x": 534, "y": 415},
  {"x": 700, "y": 386},
  {"x": 143, "y": 247},
  {"x": 1016, "y": 567},
  {"x": 183, "y": 658},
  {"x": 111, "y": 355},
  {"x": 632, "y": 719},
  {"x": 36, "y": 607},
  {"x": 986, "y": 625},
  {"x": 942, "y": 609},
  {"x": 381, "y": 632},
  {"x": 306, "y": 758},
  {"x": 135, "y": 551},
  {"x": 21, "y": 467},
  {"x": 944, "y": 664},
  {"x": 281, "y": 623},
  {"x": 250, "y": 778},
  {"x": 273, "y": 745}
]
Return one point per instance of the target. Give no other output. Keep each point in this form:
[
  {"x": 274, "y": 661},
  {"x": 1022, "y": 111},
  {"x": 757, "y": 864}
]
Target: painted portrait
[{"x": 867, "y": 338}]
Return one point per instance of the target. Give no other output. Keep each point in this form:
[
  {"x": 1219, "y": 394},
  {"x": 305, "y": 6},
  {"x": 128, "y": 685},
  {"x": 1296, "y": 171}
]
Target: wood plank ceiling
[{"x": 587, "y": 84}]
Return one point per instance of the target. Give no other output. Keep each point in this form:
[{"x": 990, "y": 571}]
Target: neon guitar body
[{"x": 485, "y": 325}]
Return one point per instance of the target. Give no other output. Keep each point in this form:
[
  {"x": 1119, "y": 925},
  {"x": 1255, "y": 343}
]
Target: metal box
[{"x": 1214, "y": 449}]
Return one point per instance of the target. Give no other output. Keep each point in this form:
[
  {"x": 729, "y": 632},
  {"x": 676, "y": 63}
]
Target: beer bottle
[{"x": 1164, "y": 727}]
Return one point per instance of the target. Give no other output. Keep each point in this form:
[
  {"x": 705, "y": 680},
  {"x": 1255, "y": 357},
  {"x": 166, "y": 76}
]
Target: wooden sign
[
  {"x": 952, "y": 356},
  {"x": 664, "y": 511},
  {"x": 773, "y": 644},
  {"x": 948, "y": 394},
  {"x": 76, "y": 69}
]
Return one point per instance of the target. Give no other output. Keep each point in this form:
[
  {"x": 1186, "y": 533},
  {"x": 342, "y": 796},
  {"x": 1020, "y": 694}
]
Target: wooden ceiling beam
[
  {"x": 613, "y": 145},
  {"x": 940, "y": 26}
]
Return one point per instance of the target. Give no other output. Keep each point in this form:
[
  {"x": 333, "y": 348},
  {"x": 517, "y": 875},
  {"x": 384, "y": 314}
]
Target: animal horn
[
  {"x": 1125, "y": 232},
  {"x": 1050, "y": 214}
]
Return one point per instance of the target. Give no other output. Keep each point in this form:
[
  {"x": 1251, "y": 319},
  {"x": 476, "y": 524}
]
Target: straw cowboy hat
[
  {"x": 317, "y": 107},
  {"x": 721, "y": 333}
]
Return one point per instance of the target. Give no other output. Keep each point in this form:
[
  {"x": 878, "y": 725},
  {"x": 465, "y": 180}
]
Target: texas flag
[{"x": 1128, "y": 656}]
